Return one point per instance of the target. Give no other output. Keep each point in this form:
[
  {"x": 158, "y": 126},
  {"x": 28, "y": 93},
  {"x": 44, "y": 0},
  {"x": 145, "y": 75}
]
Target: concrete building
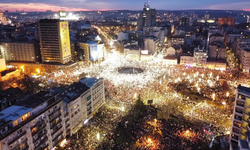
[
  {"x": 217, "y": 51},
  {"x": 43, "y": 120},
  {"x": 187, "y": 60},
  {"x": 54, "y": 41},
  {"x": 97, "y": 93},
  {"x": 200, "y": 57},
  {"x": 170, "y": 51},
  {"x": 226, "y": 21},
  {"x": 20, "y": 51},
  {"x": 244, "y": 58},
  {"x": 123, "y": 35},
  {"x": 151, "y": 44},
  {"x": 240, "y": 135},
  {"x": 32, "y": 124},
  {"x": 132, "y": 52},
  {"x": 147, "y": 18},
  {"x": 4, "y": 20},
  {"x": 169, "y": 60}
]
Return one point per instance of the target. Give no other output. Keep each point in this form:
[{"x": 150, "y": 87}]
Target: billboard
[
  {"x": 62, "y": 14},
  {"x": 100, "y": 48},
  {"x": 64, "y": 38},
  {"x": 93, "y": 52}
]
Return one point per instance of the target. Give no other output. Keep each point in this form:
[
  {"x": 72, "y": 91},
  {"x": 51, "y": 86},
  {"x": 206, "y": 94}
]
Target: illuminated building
[
  {"x": 147, "y": 18},
  {"x": 187, "y": 60},
  {"x": 240, "y": 125},
  {"x": 150, "y": 44},
  {"x": 200, "y": 57},
  {"x": 43, "y": 120},
  {"x": 227, "y": 21},
  {"x": 217, "y": 51},
  {"x": 4, "y": 20},
  {"x": 33, "y": 123},
  {"x": 170, "y": 60},
  {"x": 54, "y": 41},
  {"x": 244, "y": 58},
  {"x": 90, "y": 51},
  {"x": 20, "y": 51}
]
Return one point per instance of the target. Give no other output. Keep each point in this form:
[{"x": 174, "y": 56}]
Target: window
[{"x": 16, "y": 123}]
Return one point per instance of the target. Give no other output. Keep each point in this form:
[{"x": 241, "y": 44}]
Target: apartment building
[
  {"x": 20, "y": 51},
  {"x": 239, "y": 137},
  {"x": 42, "y": 121}
]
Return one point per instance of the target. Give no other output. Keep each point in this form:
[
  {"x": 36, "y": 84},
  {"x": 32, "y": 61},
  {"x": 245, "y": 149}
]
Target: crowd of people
[{"x": 198, "y": 94}]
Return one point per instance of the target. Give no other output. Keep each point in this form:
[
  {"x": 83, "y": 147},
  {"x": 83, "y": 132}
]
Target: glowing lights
[
  {"x": 63, "y": 143},
  {"x": 86, "y": 121},
  {"x": 149, "y": 140},
  {"x": 198, "y": 89},
  {"x": 98, "y": 136},
  {"x": 123, "y": 108},
  {"x": 227, "y": 94},
  {"x": 223, "y": 103},
  {"x": 38, "y": 71},
  {"x": 213, "y": 96}
]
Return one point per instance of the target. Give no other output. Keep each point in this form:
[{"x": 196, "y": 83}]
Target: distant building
[
  {"x": 43, "y": 120},
  {"x": 217, "y": 51},
  {"x": 187, "y": 60},
  {"x": 147, "y": 18},
  {"x": 4, "y": 20},
  {"x": 184, "y": 21},
  {"x": 244, "y": 58},
  {"x": 200, "y": 57},
  {"x": 123, "y": 35},
  {"x": 150, "y": 44},
  {"x": 169, "y": 60},
  {"x": 54, "y": 41},
  {"x": 239, "y": 136},
  {"x": 226, "y": 21},
  {"x": 20, "y": 51}
]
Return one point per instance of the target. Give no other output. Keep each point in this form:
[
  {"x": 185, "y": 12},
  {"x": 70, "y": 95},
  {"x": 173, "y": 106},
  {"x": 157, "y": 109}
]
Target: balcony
[
  {"x": 42, "y": 147},
  {"x": 54, "y": 130},
  {"x": 55, "y": 115},
  {"x": 89, "y": 108},
  {"x": 17, "y": 137},
  {"x": 55, "y": 123},
  {"x": 57, "y": 140},
  {"x": 57, "y": 136},
  {"x": 42, "y": 141},
  {"x": 89, "y": 104}
]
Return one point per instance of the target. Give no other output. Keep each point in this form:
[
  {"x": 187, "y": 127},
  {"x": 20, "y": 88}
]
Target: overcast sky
[{"x": 75, "y": 5}]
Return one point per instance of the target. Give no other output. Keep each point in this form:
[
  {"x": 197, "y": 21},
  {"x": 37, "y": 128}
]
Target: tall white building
[
  {"x": 43, "y": 120},
  {"x": 240, "y": 135},
  {"x": 200, "y": 57},
  {"x": 151, "y": 44},
  {"x": 245, "y": 58},
  {"x": 20, "y": 51}
]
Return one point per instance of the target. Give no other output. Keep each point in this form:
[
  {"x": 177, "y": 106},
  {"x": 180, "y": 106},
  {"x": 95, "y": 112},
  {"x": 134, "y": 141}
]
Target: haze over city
[{"x": 84, "y": 5}]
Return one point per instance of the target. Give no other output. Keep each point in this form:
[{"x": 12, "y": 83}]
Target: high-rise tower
[
  {"x": 147, "y": 18},
  {"x": 54, "y": 41}
]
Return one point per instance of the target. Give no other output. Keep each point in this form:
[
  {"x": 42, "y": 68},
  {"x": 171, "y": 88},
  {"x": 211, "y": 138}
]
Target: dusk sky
[{"x": 76, "y": 5}]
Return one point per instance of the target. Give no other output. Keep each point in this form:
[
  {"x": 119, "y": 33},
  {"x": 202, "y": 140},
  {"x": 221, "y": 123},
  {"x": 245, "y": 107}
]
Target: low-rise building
[
  {"x": 187, "y": 60},
  {"x": 151, "y": 44},
  {"x": 240, "y": 135},
  {"x": 43, "y": 120},
  {"x": 200, "y": 57},
  {"x": 20, "y": 51}
]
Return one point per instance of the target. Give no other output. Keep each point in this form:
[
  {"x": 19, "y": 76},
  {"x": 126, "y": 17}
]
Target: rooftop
[
  {"x": 243, "y": 144},
  {"x": 12, "y": 113},
  {"x": 89, "y": 81},
  {"x": 244, "y": 90}
]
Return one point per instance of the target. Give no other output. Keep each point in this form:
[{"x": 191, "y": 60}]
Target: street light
[
  {"x": 213, "y": 95},
  {"x": 98, "y": 136}
]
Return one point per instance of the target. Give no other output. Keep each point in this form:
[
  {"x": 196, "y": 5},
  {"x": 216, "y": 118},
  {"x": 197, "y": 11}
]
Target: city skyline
[{"x": 86, "y": 5}]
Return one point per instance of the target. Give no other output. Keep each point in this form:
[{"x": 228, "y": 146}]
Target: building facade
[
  {"x": 147, "y": 18},
  {"x": 200, "y": 57},
  {"x": 20, "y": 51},
  {"x": 43, "y": 121},
  {"x": 151, "y": 44},
  {"x": 54, "y": 41},
  {"x": 239, "y": 137}
]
